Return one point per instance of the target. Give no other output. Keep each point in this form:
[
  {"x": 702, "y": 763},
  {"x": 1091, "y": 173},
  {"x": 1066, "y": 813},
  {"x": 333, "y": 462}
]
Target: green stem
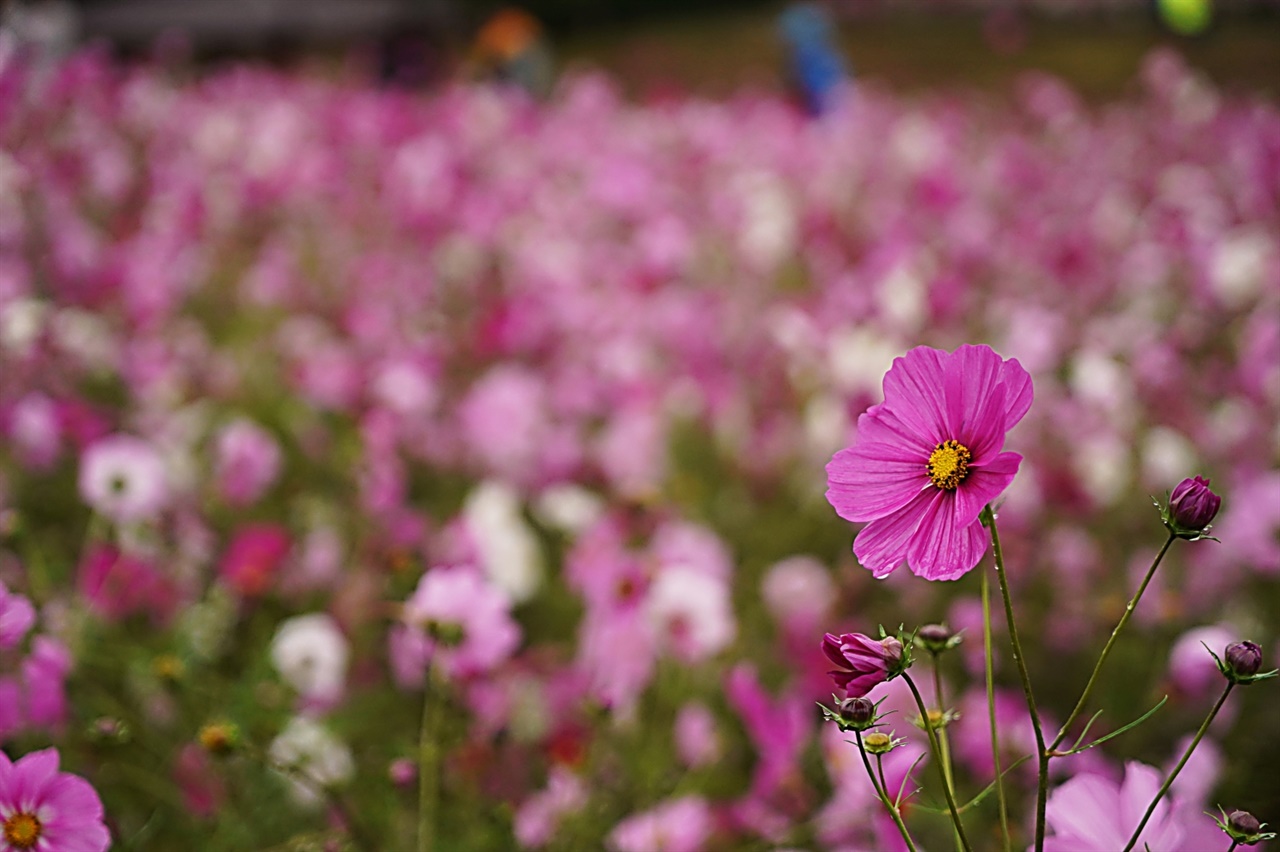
[
  {"x": 1168, "y": 782},
  {"x": 1042, "y": 753},
  {"x": 1232, "y": 847},
  {"x": 884, "y": 796},
  {"x": 943, "y": 741},
  {"x": 991, "y": 711},
  {"x": 1106, "y": 649},
  {"x": 937, "y": 755},
  {"x": 429, "y": 763}
]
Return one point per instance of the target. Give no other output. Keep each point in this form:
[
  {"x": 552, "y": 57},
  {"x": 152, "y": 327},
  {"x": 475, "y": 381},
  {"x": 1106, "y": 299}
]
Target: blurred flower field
[{"x": 317, "y": 399}]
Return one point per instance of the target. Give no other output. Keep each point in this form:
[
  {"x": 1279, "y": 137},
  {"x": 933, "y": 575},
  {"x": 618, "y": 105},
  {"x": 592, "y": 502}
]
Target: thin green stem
[
  {"x": 428, "y": 762},
  {"x": 1042, "y": 753},
  {"x": 884, "y": 795},
  {"x": 943, "y": 740},
  {"x": 1106, "y": 649},
  {"x": 1168, "y": 782},
  {"x": 883, "y": 783},
  {"x": 937, "y": 755},
  {"x": 1232, "y": 847},
  {"x": 991, "y": 711}
]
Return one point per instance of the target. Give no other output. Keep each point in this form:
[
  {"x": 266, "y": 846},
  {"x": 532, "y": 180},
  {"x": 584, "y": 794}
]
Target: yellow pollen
[
  {"x": 22, "y": 830},
  {"x": 949, "y": 464}
]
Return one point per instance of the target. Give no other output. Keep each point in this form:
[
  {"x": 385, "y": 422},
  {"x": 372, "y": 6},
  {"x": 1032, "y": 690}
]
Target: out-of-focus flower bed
[{"x": 314, "y": 394}]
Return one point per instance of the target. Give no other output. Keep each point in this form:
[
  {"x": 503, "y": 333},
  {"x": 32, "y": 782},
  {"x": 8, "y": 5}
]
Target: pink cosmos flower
[
  {"x": 254, "y": 557},
  {"x": 117, "y": 584},
  {"x": 42, "y": 808},
  {"x": 458, "y": 620},
  {"x": 1089, "y": 813},
  {"x": 864, "y": 662},
  {"x": 678, "y": 825},
  {"x": 248, "y": 460},
  {"x": 123, "y": 478},
  {"x": 17, "y": 615},
  {"x": 928, "y": 459}
]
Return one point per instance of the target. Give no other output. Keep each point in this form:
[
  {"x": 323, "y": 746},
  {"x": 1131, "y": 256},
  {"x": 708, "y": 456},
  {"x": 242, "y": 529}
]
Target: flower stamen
[
  {"x": 22, "y": 830},
  {"x": 949, "y": 464}
]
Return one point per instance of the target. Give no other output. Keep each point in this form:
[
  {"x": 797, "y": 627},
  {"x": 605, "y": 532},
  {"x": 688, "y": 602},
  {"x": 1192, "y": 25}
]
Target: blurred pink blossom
[{"x": 123, "y": 478}]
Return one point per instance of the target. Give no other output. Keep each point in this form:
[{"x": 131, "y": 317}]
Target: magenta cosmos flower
[
  {"x": 864, "y": 662},
  {"x": 42, "y": 808},
  {"x": 928, "y": 459}
]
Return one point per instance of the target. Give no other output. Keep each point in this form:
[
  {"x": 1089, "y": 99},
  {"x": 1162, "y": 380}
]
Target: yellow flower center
[
  {"x": 949, "y": 464},
  {"x": 22, "y": 830}
]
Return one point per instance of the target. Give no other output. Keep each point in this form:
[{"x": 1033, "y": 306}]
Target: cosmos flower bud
[
  {"x": 1244, "y": 659},
  {"x": 1244, "y": 822},
  {"x": 1243, "y": 828},
  {"x": 857, "y": 713},
  {"x": 1240, "y": 663},
  {"x": 878, "y": 743},
  {"x": 864, "y": 662},
  {"x": 1192, "y": 507},
  {"x": 936, "y": 638}
]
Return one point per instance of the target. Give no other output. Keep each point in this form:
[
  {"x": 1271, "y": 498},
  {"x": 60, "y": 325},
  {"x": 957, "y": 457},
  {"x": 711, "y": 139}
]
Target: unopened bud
[
  {"x": 1244, "y": 822},
  {"x": 1244, "y": 658},
  {"x": 1192, "y": 507},
  {"x": 858, "y": 713},
  {"x": 936, "y": 638},
  {"x": 878, "y": 743}
]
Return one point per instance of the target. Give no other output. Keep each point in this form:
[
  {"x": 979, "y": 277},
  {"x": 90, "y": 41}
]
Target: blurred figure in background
[
  {"x": 816, "y": 67},
  {"x": 511, "y": 47},
  {"x": 42, "y": 32}
]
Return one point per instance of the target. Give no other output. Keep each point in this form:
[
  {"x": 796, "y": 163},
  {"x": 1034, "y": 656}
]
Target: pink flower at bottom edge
[
  {"x": 42, "y": 808},
  {"x": 928, "y": 459}
]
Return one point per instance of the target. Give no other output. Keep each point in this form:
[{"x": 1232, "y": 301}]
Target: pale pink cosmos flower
[
  {"x": 538, "y": 816},
  {"x": 678, "y": 825},
  {"x": 123, "y": 478},
  {"x": 1090, "y": 813},
  {"x": 696, "y": 735},
  {"x": 456, "y": 620},
  {"x": 691, "y": 613},
  {"x": 42, "y": 808},
  {"x": 1191, "y": 667},
  {"x": 928, "y": 459},
  {"x": 17, "y": 616},
  {"x": 247, "y": 461}
]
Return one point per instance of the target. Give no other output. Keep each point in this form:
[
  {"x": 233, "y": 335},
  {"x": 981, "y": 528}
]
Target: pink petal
[
  {"x": 1083, "y": 810},
  {"x": 879, "y": 424},
  {"x": 983, "y": 485},
  {"x": 941, "y": 549},
  {"x": 984, "y": 435},
  {"x": 1141, "y": 783},
  {"x": 32, "y": 773},
  {"x": 914, "y": 388},
  {"x": 870, "y": 480},
  {"x": 1018, "y": 392},
  {"x": 882, "y": 544},
  {"x": 972, "y": 375}
]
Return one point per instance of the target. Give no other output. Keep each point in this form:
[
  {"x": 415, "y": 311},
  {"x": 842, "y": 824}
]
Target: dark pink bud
[
  {"x": 1244, "y": 823},
  {"x": 863, "y": 662},
  {"x": 1244, "y": 658},
  {"x": 1192, "y": 506}
]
